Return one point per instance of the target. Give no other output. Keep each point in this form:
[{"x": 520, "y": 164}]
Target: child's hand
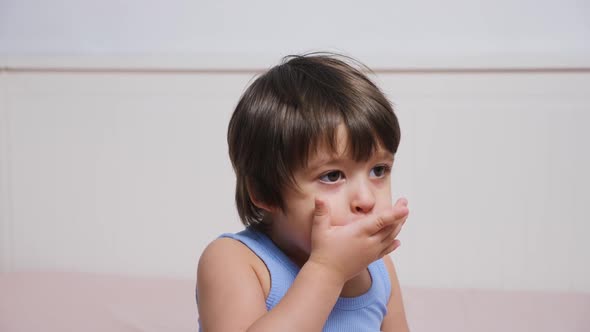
[{"x": 347, "y": 250}]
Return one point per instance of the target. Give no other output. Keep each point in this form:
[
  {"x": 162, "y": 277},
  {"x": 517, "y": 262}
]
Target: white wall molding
[{"x": 258, "y": 62}]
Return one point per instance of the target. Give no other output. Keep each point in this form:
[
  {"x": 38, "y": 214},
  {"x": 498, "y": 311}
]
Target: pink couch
[{"x": 54, "y": 301}]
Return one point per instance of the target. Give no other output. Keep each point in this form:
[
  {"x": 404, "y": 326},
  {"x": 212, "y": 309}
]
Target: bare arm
[
  {"x": 395, "y": 320},
  {"x": 229, "y": 294}
]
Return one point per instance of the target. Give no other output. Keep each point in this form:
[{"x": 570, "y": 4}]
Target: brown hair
[{"x": 287, "y": 111}]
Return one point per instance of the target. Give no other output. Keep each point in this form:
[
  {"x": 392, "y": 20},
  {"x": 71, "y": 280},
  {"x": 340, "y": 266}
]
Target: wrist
[{"x": 325, "y": 272}]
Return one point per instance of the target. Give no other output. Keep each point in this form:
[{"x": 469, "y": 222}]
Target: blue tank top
[{"x": 362, "y": 313}]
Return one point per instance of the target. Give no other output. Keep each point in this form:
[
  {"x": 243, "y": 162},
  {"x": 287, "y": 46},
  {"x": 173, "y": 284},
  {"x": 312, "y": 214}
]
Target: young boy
[{"x": 312, "y": 143}]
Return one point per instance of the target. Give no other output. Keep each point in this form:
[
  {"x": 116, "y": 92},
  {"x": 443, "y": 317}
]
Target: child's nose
[{"x": 363, "y": 199}]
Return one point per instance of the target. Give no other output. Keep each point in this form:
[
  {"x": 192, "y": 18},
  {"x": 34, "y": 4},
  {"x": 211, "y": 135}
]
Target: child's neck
[{"x": 294, "y": 253}]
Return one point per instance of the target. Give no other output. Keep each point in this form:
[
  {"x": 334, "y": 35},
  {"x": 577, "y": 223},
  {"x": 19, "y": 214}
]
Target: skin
[{"x": 338, "y": 221}]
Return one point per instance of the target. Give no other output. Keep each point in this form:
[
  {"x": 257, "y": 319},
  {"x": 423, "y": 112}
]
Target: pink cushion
[
  {"x": 492, "y": 310},
  {"x": 55, "y": 301}
]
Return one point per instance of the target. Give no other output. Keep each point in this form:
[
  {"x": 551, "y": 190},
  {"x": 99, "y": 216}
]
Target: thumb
[{"x": 321, "y": 214}]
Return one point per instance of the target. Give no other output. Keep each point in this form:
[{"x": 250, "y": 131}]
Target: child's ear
[{"x": 259, "y": 204}]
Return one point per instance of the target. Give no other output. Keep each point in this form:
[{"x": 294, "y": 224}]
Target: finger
[
  {"x": 390, "y": 248},
  {"x": 384, "y": 234},
  {"x": 399, "y": 226},
  {"x": 389, "y": 233},
  {"x": 401, "y": 212},
  {"x": 391, "y": 236},
  {"x": 321, "y": 214},
  {"x": 373, "y": 225},
  {"x": 401, "y": 202}
]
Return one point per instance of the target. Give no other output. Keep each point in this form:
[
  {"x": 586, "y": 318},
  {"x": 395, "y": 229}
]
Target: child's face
[{"x": 351, "y": 189}]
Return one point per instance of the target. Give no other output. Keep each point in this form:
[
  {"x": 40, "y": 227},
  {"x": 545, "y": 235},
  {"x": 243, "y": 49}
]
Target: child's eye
[
  {"x": 331, "y": 177},
  {"x": 380, "y": 171}
]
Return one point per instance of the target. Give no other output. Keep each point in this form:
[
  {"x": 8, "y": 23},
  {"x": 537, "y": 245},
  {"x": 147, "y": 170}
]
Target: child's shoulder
[
  {"x": 225, "y": 253},
  {"x": 226, "y": 261}
]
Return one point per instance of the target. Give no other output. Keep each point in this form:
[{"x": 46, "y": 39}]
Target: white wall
[
  {"x": 127, "y": 171},
  {"x": 120, "y": 173},
  {"x": 253, "y": 33}
]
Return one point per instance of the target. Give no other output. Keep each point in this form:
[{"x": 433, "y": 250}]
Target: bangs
[
  {"x": 313, "y": 107},
  {"x": 366, "y": 132}
]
